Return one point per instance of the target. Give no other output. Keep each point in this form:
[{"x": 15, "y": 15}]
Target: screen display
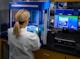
[
  {"x": 66, "y": 21},
  {"x": 35, "y": 28},
  {"x": 32, "y": 28}
]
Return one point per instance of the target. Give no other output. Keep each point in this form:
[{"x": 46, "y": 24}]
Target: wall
[{"x": 4, "y": 12}]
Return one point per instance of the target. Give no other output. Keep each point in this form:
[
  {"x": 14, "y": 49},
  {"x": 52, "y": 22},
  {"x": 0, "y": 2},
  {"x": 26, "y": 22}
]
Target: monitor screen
[
  {"x": 32, "y": 28},
  {"x": 66, "y": 21},
  {"x": 35, "y": 28}
]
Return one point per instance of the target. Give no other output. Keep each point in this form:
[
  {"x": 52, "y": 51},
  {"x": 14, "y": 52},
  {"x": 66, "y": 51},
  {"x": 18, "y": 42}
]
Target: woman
[{"x": 21, "y": 42}]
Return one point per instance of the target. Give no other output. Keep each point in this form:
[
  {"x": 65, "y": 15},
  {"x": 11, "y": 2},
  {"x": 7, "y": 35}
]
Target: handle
[{"x": 45, "y": 54}]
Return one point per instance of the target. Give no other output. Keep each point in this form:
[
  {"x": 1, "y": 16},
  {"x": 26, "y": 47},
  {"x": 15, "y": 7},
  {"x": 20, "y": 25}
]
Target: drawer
[
  {"x": 46, "y": 54},
  {"x": 72, "y": 57},
  {"x": 41, "y": 55}
]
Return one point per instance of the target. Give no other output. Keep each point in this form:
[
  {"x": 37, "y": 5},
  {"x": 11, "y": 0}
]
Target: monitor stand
[{"x": 65, "y": 31}]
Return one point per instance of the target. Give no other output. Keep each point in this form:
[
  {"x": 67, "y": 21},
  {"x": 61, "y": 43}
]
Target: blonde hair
[{"x": 21, "y": 16}]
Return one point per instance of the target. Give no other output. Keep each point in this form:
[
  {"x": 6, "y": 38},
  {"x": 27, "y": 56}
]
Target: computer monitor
[{"x": 66, "y": 21}]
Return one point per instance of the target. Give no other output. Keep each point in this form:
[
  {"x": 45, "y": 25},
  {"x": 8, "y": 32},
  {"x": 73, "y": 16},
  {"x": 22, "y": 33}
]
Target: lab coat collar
[{"x": 23, "y": 29}]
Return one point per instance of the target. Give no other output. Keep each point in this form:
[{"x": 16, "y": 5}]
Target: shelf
[
  {"x": 66, "y": 0},
  {"x": 63, "y": 45}
]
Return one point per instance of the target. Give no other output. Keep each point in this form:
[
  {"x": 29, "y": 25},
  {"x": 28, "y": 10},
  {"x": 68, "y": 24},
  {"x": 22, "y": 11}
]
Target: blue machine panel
[{"x": 29, "y": 5}]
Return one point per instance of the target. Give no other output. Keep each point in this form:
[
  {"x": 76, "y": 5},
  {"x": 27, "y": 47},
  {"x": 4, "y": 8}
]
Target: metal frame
[{"x": 41, "y": 6}]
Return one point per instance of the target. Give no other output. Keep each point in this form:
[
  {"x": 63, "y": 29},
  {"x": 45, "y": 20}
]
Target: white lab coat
[{"x": 22, "y": 47}]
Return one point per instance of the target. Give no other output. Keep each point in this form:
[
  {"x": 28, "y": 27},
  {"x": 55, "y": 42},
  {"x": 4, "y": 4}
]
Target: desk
[
  {"x": 43, "y": 53},
  {"x": 4, "y": 54},
  {"x": 48, "y": 54}
]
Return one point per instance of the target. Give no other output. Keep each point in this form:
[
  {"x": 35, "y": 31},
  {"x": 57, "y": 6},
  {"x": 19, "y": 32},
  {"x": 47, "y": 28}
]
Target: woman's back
[{"x": 22, "y": 47}]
